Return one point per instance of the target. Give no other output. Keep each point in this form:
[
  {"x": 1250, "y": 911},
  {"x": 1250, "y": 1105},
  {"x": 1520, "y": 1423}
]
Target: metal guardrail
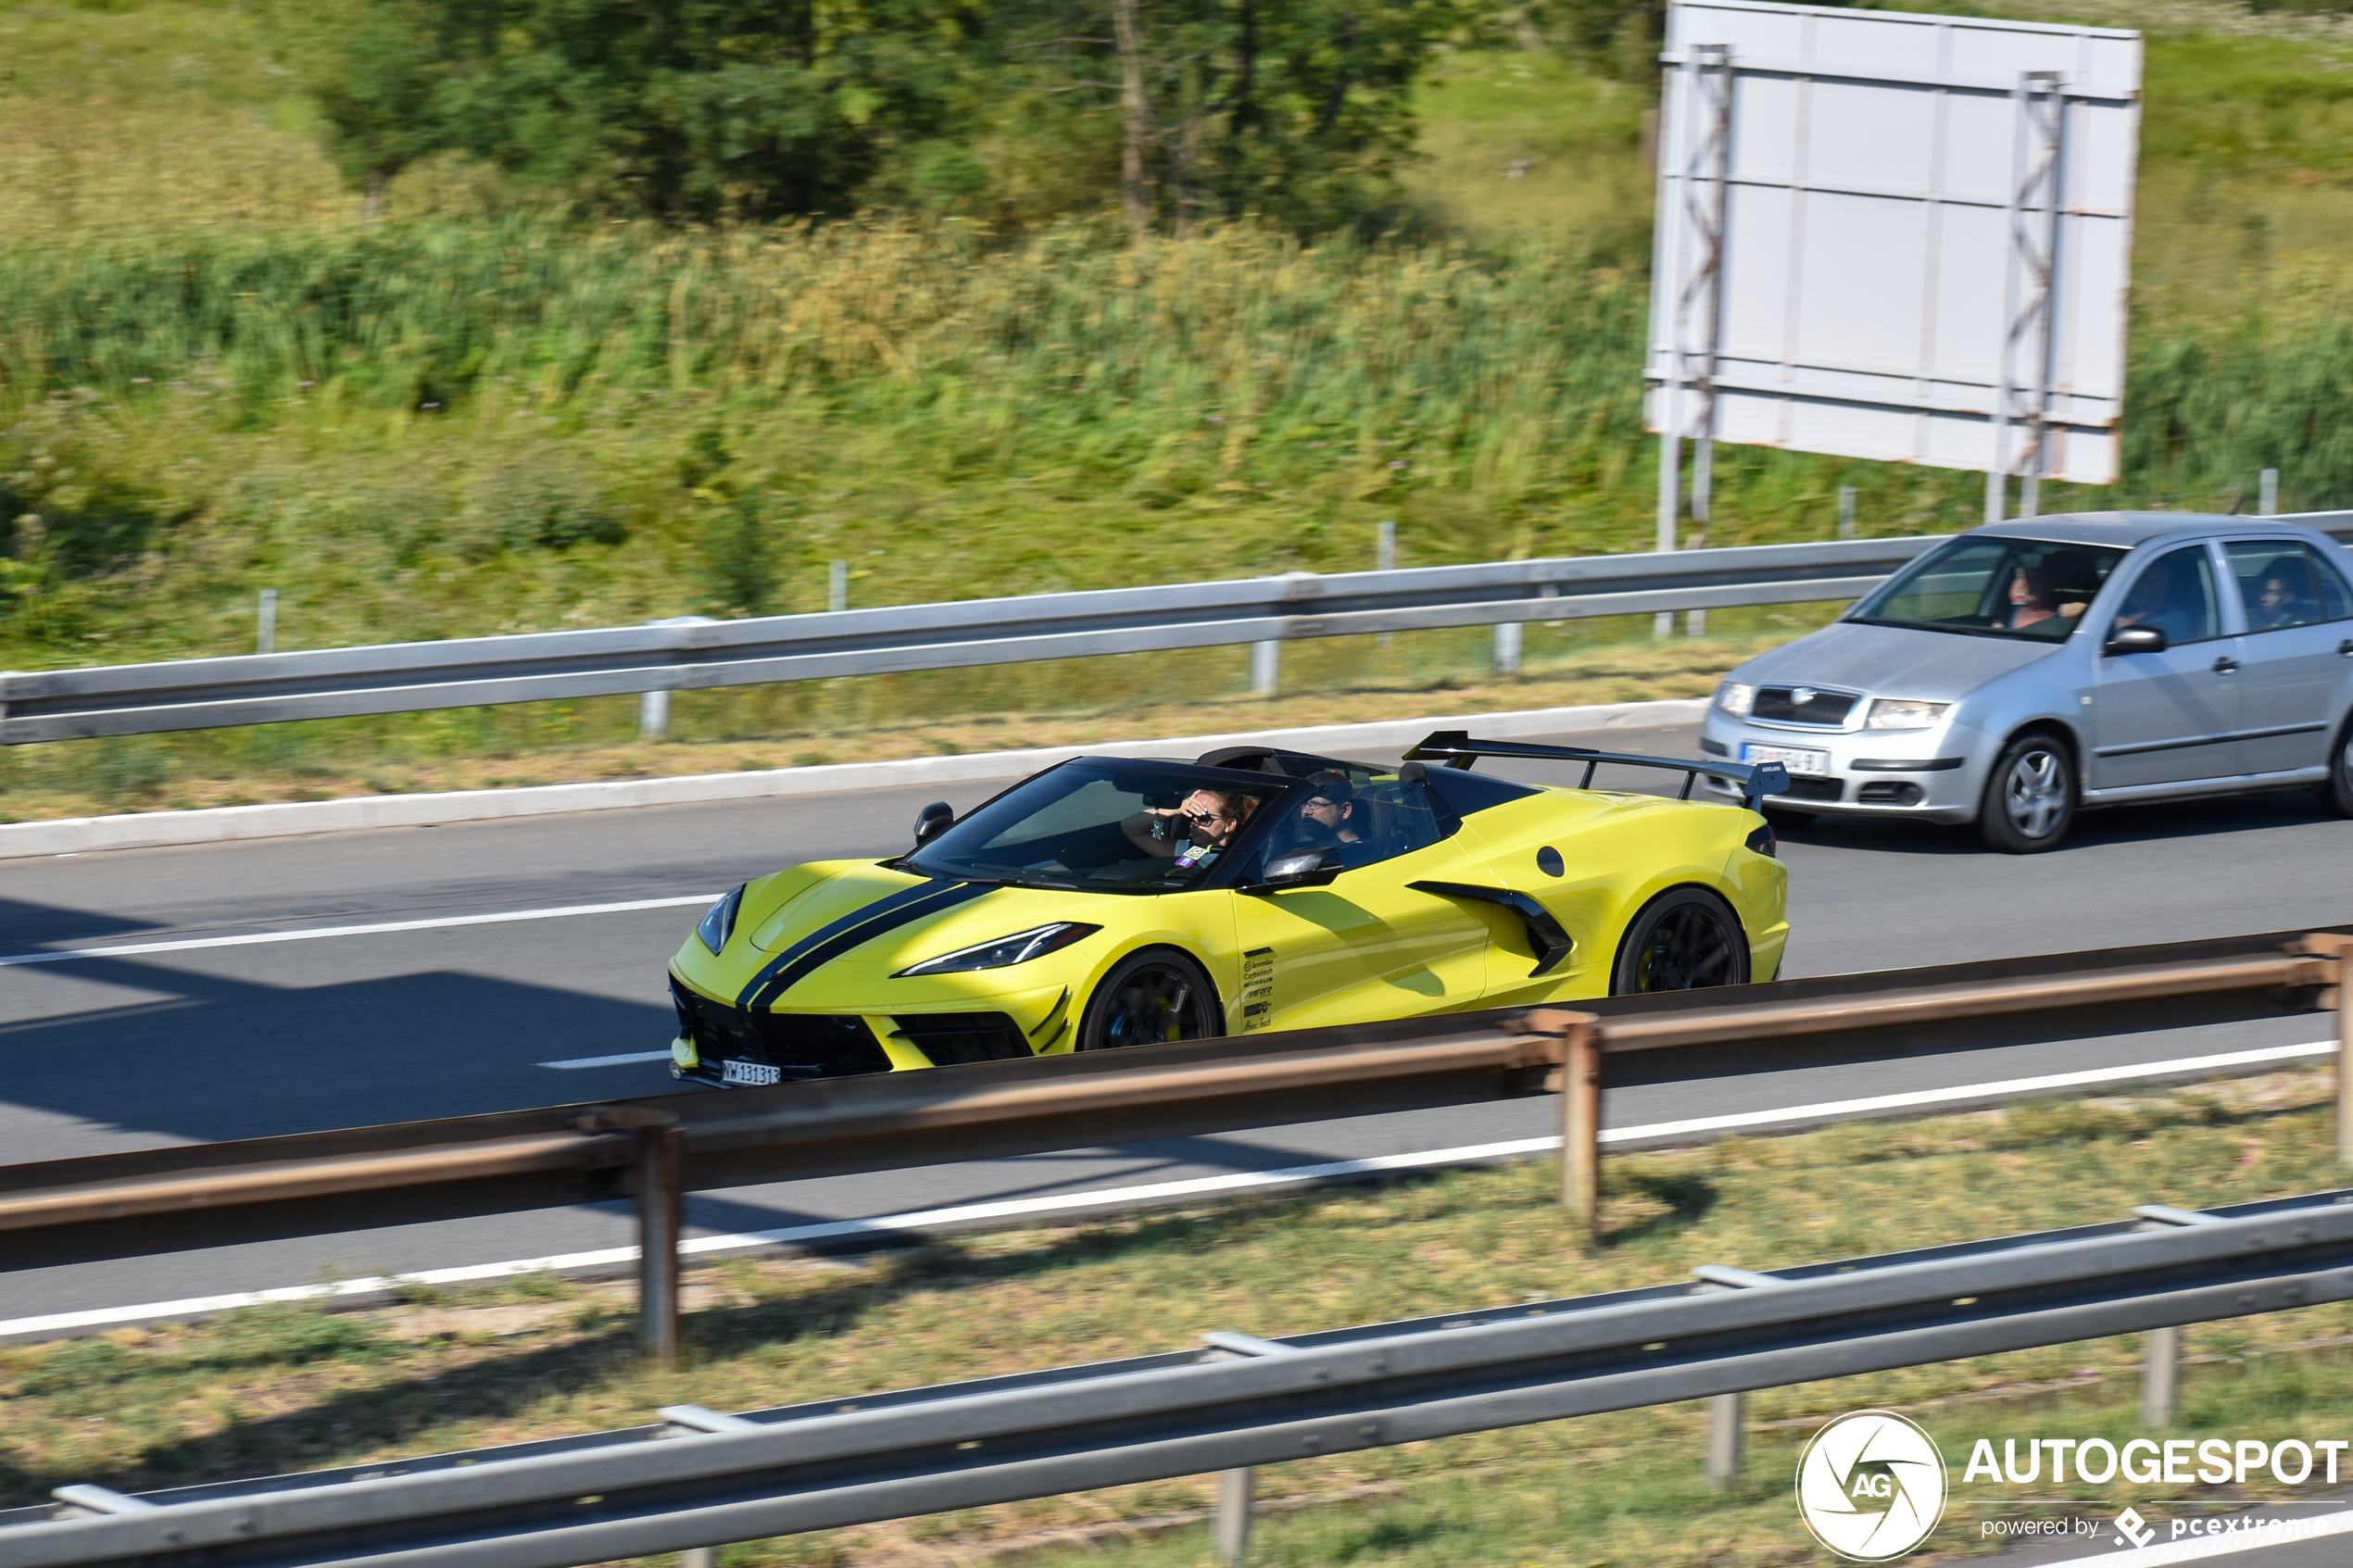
[
  {"x": 171, "y": 1200},
  {"x": 200, "y": 694},
  {"x": 703, "y": 1478}
]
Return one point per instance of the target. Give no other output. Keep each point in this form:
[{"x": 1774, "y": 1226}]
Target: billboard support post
[
  {"x": 1699, "y": 310},
  {"x": 2033, "y": 232}
]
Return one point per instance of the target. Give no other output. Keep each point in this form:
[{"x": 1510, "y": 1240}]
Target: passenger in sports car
[
  {"x": 1327, "y": 818},
  {"x": 1195, "y": 831}
]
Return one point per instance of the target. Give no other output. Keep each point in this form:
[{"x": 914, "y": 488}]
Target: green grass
[
  {"x": 286, "y": 1388},
  {"x": 1527, "y": 144}
]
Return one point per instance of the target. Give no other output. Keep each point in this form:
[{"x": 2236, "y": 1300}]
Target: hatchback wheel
[
  {"x": 1683, "y": 939},
  {"x": 1150, "y": 998},
  {"x": 2337, "y": 794},
  {"x": 2030, "y": 798}
]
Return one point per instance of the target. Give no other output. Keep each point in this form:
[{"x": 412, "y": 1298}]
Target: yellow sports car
[{"x": 1111, "y": 901}]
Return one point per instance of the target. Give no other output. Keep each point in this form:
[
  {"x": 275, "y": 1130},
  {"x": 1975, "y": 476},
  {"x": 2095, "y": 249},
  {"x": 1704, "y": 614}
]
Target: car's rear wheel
[
  {"x": 2337, "y": 794},
  {"x": 1150, "y": 998},
  {"x": 1683, "y": 939},
  {"x": 2030, "y": 797}
]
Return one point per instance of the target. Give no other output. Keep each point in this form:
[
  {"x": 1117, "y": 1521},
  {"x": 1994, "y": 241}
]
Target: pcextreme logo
[{"x": 1871, "y": 1485}]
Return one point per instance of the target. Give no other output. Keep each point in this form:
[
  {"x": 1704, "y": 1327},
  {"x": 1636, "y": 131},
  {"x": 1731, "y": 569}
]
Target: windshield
[
  {"x": 1104, "y": 826},
  {"x": 1996, "y": 587}
]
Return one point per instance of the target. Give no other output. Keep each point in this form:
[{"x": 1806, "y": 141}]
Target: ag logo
[{"x": 1871, "y": 1485}]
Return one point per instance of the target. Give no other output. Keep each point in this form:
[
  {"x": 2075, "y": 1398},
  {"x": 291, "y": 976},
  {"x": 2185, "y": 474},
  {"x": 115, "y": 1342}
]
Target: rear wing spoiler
[{"x": 1456, "y": 748}]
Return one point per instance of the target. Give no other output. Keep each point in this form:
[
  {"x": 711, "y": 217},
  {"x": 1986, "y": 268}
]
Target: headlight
[
  {"x": 1901, "y": 713},
  {"x": 1020, "y": 947},
  {"x": 1735, "y": 699},
  {"x": 720, "y": 924}
]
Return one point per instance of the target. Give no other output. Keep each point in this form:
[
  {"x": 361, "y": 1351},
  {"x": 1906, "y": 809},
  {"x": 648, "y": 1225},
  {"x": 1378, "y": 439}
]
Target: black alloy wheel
[
  {"x": 2337, "y": 794},
  {"x": 1150, "y": 998},
  {"x": 1683, "y": 939},
  {"x": 2030, "y": 797}
]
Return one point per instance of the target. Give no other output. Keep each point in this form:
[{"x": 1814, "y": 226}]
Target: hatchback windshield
[
  {"x": 1103, "y": 826},
  {"x": 1992, "y": 587}
]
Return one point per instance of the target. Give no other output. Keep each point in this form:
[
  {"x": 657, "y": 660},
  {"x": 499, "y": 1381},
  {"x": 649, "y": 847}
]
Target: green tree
[
  {"x": 689, "y": 110},
  {"x": 1294, "y": 109},
  {"x": 378, "y": 92}
]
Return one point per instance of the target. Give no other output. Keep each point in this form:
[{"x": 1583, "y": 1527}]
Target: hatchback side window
[
  {"x": 2176, "y": 594},
  {"x": 2282, "y": 585},
  {"x": 2336, "y": 602}
]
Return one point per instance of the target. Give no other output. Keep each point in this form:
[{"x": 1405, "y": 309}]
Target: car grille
[
  {"x": 1779, "y": 704},
  {"x": 798, "y": 1044},
  {"x": 952, "y": 1039},
  {"x": 1813, "y": 789}
]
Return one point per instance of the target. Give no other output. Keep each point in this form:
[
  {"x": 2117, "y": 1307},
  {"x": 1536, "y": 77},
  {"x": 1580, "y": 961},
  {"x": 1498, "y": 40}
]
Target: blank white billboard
[{"x": 1884, "y": 233}]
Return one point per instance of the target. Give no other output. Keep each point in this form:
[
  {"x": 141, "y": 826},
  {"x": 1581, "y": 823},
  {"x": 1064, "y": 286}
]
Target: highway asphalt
[{"x": 210, "y": 1042}]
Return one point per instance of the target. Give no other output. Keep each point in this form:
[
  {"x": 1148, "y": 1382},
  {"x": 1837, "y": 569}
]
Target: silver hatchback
[{"x": 2019, "y": 673}]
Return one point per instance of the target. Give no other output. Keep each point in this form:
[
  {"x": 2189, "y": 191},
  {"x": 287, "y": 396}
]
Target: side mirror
[
  {"x": 933, "y": 821},
  {"x": 1303, "y": 868},
  {"x": 2135, "y": 639}
]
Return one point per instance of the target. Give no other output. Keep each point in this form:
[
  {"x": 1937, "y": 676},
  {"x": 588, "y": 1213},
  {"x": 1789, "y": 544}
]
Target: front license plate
[
  {"x": 1796, "y": 758},
  {"x": 753, "y": 1075}
]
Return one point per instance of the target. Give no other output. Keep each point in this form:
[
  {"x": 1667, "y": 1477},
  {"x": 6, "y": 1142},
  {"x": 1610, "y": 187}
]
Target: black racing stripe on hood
[{"x": 797, "y": 962}]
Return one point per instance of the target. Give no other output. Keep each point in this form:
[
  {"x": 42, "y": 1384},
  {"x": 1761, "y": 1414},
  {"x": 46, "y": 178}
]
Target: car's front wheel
[
  {"x": 1683, "y": 939},
  {"x": 2030, "y": 797},
  {"x": 1150, "y": 998}
]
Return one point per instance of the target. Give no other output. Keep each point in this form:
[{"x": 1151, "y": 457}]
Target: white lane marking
[
  {"x": 575, "y": 1063},
  {"x": 1193, "y": 1186},
  {"x": 2251, "y": 1536},
  {"x": 378, "y": 929},
  {"x": 2008, "y": 1089}
]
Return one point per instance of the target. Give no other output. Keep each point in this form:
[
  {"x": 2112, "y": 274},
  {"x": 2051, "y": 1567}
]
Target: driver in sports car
[{"x": 1195, "y": 831}]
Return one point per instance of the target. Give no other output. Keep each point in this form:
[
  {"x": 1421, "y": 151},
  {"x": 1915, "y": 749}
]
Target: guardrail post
[
  {"x": 1265, "y": 668},
  {"x": 1508, "y": 646},
  {"x": 1580, "y": 1092},
  {"x": 2268, "y": 493},
  {"x": 653, "y": 708},
  {"x": 1846, "y": 511},
  {"x": 660, "y": 1215},
  {"x": 1230, "y": 1531},
  {"x": 2161, "y": 1375},
  {"x": 265, "y": 623},
  {"x": 2340, "y": 996},
  {"x": 1723, "y": 1434},
  {"x": 2338, "y": 952},
  {"x": 1229, "y": 1524}
]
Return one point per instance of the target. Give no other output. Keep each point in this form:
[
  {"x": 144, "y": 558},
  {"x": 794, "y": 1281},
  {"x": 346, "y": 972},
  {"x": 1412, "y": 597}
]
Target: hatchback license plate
[
  {"x": 1796, "y": 758},
  {"x": 750, "y": 1074}
]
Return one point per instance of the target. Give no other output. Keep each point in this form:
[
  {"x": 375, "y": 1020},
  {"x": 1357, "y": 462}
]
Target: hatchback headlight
[
  {"x": 1902, "y": 713},
  {"x": 719, "y": 923},
  {"x": 1735, "y": 699},
  {"x": 1020, "y": 947}
]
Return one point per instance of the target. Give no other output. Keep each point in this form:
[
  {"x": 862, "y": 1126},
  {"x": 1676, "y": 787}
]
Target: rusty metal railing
[{"x": 653, "y": 1150}]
